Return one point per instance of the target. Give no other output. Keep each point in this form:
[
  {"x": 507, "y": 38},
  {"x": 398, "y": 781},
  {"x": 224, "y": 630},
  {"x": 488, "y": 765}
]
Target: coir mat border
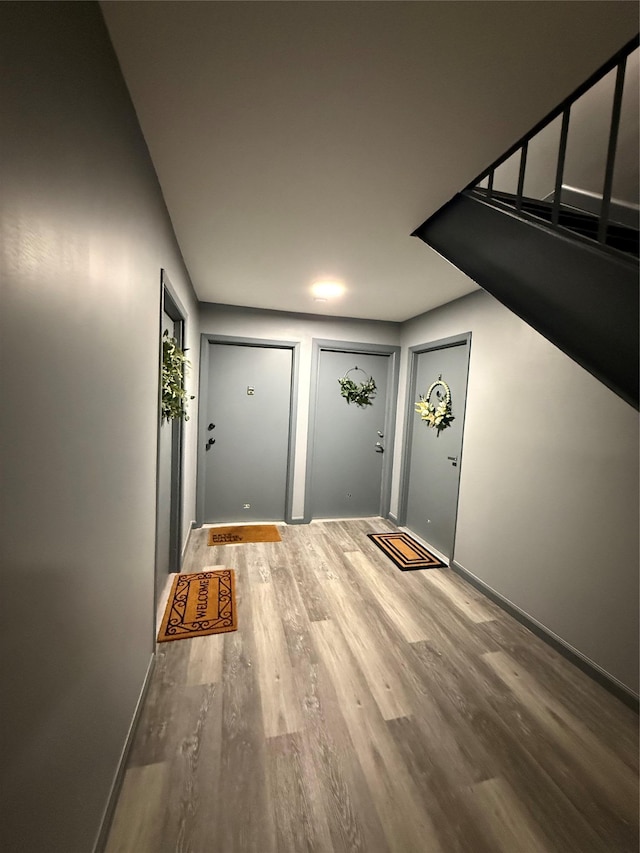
[
  {"x": 175, "y": 624},
  {"x": 405, "y": 552}
]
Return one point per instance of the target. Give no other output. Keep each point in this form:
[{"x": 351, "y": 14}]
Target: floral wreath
[
  {"x": 359, "y": 394},
  {"x": 437, "y": 417}
]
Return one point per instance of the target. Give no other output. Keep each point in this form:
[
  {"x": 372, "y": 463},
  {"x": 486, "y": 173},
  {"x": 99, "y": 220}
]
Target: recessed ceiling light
[{"x": 327, "y": 289}]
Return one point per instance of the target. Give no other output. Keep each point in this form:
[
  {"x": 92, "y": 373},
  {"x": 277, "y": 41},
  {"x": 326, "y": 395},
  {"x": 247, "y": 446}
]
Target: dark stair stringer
[
  {"x": 582, "y": 298},
  {"x": 621, "y": 237}
]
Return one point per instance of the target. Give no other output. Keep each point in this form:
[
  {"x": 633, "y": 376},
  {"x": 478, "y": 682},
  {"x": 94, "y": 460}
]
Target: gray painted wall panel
[{"x": 84, "y": 235}]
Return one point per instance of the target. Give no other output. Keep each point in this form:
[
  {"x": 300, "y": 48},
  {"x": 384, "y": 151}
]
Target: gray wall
[
  {"x": 276, "y": 325},
  {"x": 548, "y": 513},
  {"x": 84, "y": 235}
]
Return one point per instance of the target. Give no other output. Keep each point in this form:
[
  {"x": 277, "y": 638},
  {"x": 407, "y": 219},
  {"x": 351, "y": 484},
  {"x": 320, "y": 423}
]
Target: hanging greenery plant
[
  {"x": 174, "y": 364},
  {"x": 360, "y": 394},
  {"x": 436, "y": 417}
]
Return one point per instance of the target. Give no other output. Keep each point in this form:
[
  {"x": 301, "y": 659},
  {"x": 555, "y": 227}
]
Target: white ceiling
[{"x": 295, "y": 140}]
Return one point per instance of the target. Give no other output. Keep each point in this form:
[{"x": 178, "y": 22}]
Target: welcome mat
[
  {"x": 239, "y": 533},
  {"x": 200, "y": 604},
  {"x": 405, "y": 552}
]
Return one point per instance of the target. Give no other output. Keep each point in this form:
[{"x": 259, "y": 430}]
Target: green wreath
[
  {"x": 174, "y": 396},
  {"x": 436, "y": 417},
  {"x": 359, "y": 394}
]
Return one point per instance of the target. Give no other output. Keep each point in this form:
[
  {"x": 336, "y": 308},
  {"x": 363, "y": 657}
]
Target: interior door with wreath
[
  {"x": 349, "y": 436},
  {"x": 169, "y": 463},
  {"x": 438, "y": 388}
]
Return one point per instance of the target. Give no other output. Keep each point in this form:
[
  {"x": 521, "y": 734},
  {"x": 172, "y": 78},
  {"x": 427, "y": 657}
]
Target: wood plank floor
[{"x": 360, "y": 708}]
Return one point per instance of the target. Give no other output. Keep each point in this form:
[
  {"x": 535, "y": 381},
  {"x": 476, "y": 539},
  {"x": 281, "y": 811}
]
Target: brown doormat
[
  {"x": 405, "y": 552},
  {"x": 200, "y": 604},
  {"x": 236, "y": 534}
]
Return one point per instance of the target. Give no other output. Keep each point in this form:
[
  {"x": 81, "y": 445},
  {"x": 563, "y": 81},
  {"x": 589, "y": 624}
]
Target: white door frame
[
  {"x": 205, "y": 340},
  {"x": 409, "y": 422}
]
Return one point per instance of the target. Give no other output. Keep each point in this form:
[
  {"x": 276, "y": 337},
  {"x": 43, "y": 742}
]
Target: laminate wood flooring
[{"x": 360, "y": 708}]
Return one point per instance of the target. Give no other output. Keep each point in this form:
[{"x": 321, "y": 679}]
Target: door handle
[
  {"x": 379, "y": 447},
  {"x": 453, "y": 459},
  {"x": 209, "y": 444}
]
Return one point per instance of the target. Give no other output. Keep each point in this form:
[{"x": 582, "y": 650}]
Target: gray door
[
  {"x": 167, "y": 522},
  {"x": 248, "y": 413},
  {"x": 346, "y": 479},
  {"x": 434, "y": 462}
]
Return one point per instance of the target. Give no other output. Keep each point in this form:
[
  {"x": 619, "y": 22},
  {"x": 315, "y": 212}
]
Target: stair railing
[{"x": 618, "y": 62}]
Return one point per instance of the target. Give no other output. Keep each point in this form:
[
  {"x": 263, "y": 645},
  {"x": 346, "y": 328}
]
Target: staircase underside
[{"x": 582, "y": 297}]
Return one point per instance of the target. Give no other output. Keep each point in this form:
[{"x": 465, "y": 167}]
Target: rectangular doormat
[
  {"x": 239, "y": 533},
  {"x": 200, "y": 604},
  {"x": 405, "y": 552}
]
